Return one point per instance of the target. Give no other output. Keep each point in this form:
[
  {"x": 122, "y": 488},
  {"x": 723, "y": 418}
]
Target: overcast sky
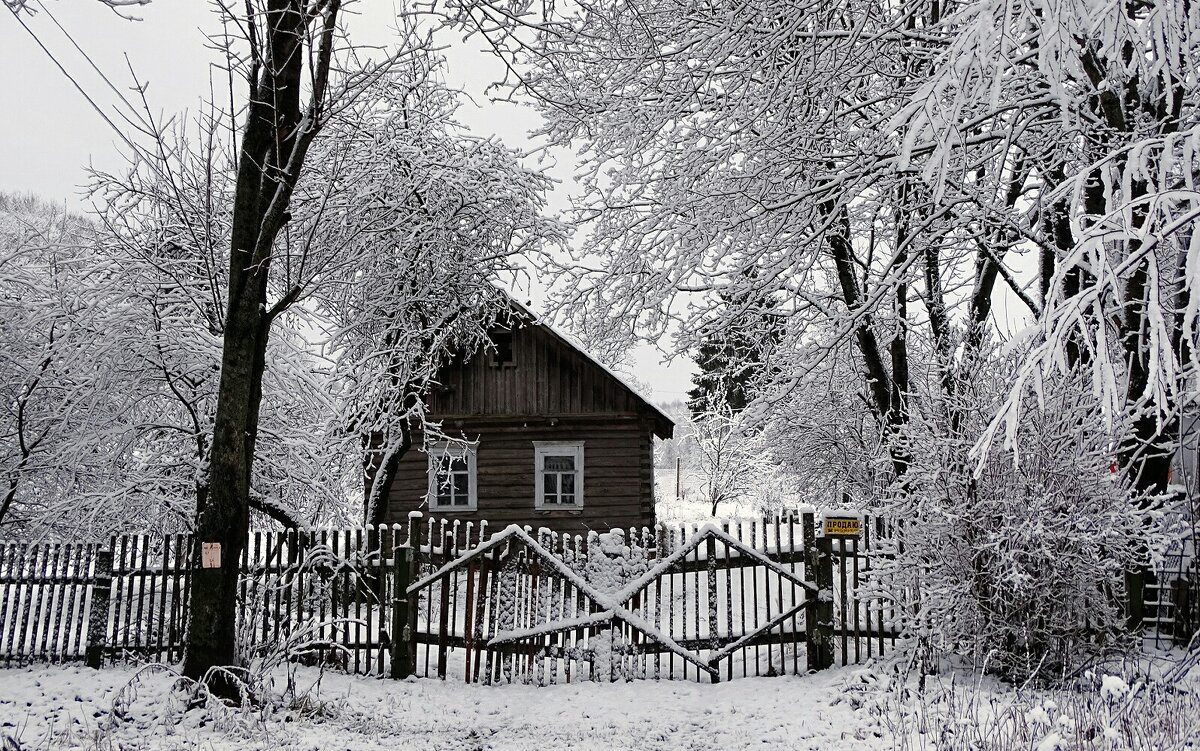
[{"x": 49, "y": 133}]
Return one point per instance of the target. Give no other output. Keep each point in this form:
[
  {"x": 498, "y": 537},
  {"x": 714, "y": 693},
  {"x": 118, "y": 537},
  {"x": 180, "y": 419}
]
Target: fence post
[
  {"x": 710, "y": 552},
  {"x": 402, "y": 633},
  {"x": 809, "y": 538},
  {"x": 824, "y": 610},
  {"x": 98, "y": 615},
  {"x": 818, "y": 618}
]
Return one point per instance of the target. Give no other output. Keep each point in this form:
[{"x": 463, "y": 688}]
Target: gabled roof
[{"x": 664, "y": 426}]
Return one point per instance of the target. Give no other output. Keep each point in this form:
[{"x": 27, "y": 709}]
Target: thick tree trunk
[
  {"x": 225, "y": 519},
  {"x": 268, "y": 167}
]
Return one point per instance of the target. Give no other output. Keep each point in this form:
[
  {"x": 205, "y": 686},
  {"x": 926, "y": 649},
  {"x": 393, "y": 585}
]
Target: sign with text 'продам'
[{"x": 842, "y": 526}]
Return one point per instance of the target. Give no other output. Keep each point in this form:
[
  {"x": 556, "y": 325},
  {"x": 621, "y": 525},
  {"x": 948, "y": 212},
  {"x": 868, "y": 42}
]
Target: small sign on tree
[{"x": 210, "y": 555}]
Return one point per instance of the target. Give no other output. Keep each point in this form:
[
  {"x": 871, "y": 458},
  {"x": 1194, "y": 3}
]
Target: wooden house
[{"x": 552, "y": 439}]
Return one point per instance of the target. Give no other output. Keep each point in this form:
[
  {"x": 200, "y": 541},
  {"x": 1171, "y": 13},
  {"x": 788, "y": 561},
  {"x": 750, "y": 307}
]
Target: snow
[
  {"x": 73, "y": 707},
  {"x": 1113, "y": 687}
]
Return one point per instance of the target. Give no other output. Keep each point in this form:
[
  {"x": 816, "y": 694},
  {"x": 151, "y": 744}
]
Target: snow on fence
[
  {"x": 705, "y": 602},
  {"x": 45, "y": 599},
  {"x": 734, "y": 595},
  {"x": 1172, "y": 596},
  {"x": 448, "y": 599}
]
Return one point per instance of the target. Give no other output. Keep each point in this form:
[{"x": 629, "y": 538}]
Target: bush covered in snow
[
  {"x": 1127, "y": 708},
  {"x": 611, "y": 562},
  {"x": 1016, "y": 560}
]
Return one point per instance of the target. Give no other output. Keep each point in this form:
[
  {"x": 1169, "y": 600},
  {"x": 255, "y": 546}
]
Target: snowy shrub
[
  {"x": 1124, "y": 709},
  {"x": 611, "y": 563},
  {"x": 1016, "y": 561}
]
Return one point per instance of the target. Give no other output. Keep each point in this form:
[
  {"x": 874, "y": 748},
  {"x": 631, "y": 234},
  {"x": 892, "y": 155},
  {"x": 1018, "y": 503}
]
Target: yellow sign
[{"x": 842, "y": 526}]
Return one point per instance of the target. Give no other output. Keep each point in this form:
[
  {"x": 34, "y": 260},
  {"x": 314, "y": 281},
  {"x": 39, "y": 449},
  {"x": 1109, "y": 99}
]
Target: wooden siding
[
  {"x": 548, "y": 377},
  {"x": 617, "y": 481}
]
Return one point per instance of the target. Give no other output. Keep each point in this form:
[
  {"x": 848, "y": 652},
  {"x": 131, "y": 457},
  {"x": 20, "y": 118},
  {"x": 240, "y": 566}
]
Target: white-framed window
[
  {"x": 558, "y": 467},
  {"x": 452, "y": 478}
]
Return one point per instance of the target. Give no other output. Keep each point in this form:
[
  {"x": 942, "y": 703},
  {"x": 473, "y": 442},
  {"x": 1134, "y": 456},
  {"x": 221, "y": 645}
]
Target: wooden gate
[{"x": 512, "y": 611}]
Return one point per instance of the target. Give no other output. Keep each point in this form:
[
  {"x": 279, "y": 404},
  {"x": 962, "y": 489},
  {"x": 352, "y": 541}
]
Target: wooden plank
[
  {"x": 24, "y": 592},
  {"x": 357, "y": 577},
  {"x": 795, "y": 589},
  {"x": 469, "y": 619},
  {"x": 61, "y": 620},
  {"x": 34, "y": 626},
  {"x": 145, "y": 591},
  {"x": 375, "y": 579},
  {"x": 29, "y": 637},
  {"x": 335, "y": 594},
  {"x": 63, "y": 614},
  {"x": 855, "y": 581},
  {"x": 10, "y": 563},
  {"x": 443, "y": 623},
  {"x": 267, "y": 568},
  {"x": 403, "y": 606},
  {"x": 74, "y": 636},
  {"x": 451, "y": 544},
  {"x": 713, "y": 628},
  {"x": 809, "y": 529},
  {"x": 294, "y": 584},
  {"x": 779, "y": 585},
  {"x": 317, "y": 590},
  {"x": 72, "y": 612},
  {"x": 427, "y": 567},
  {"x": 867, "y": 522},
  {"x": 175, "y": 625},
  {"x": 493, "y": 622},
  {"x": 98, "y": 608},
  {"x": 754, "y": 585},
  {"x": 879, "y": 535},
  {"x": 481, "y": 634},
  {"x": 158, "y": 589},
  {"x": 121, "y": 598},
  {"x": 844, "y": 593},
  {"x": 49, "y": 591}
]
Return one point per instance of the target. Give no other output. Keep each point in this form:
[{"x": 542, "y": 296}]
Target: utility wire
[
  {"x": 74, "y": 82},
  {"x": 142, "y": 124}
]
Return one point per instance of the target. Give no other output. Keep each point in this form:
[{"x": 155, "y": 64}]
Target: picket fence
[{"x": 454, "y": 600}]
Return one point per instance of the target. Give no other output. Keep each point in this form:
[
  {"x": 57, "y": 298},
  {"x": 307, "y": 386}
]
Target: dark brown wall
[
  {"x": 617, "y": 470},
  {"x": 549, "y": 378}
]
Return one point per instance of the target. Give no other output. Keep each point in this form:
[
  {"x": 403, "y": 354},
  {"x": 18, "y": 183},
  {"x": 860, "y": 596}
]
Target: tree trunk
[
  {"x": 379, "y": 468},
  {"x": 268, "y": 169},
  {"x": 878, "y": 379}
]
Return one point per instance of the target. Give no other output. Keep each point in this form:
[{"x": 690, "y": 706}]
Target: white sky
[{"x": 49, "y": 133}]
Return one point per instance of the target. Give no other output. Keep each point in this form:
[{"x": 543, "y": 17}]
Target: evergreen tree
[{"x": 735, "y": 357}]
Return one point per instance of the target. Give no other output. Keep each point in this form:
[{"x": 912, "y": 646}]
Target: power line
[
  {"x": 71, "y": 78},
  {"x": 146, "y": 127}
]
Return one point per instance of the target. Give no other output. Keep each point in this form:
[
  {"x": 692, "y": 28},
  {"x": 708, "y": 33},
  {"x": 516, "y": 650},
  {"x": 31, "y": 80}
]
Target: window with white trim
[
  {"x": 559, "y": 470},
  {"x": 452, "y": 478}
]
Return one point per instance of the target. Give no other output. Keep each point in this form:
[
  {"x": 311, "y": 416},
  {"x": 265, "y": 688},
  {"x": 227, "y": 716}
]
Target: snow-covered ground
[
  {"x": 61, "y": 707},
  {"x": 75, "y": 707}
]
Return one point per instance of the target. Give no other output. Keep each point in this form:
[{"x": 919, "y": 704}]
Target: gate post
[
  {"x": 710, "y": 552},
  {"x": 818, "y": 616},
  {"x": 98, "y": 615},
  {"x": 403, "y": 647},
  {"x": 824, "y": 609}
]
